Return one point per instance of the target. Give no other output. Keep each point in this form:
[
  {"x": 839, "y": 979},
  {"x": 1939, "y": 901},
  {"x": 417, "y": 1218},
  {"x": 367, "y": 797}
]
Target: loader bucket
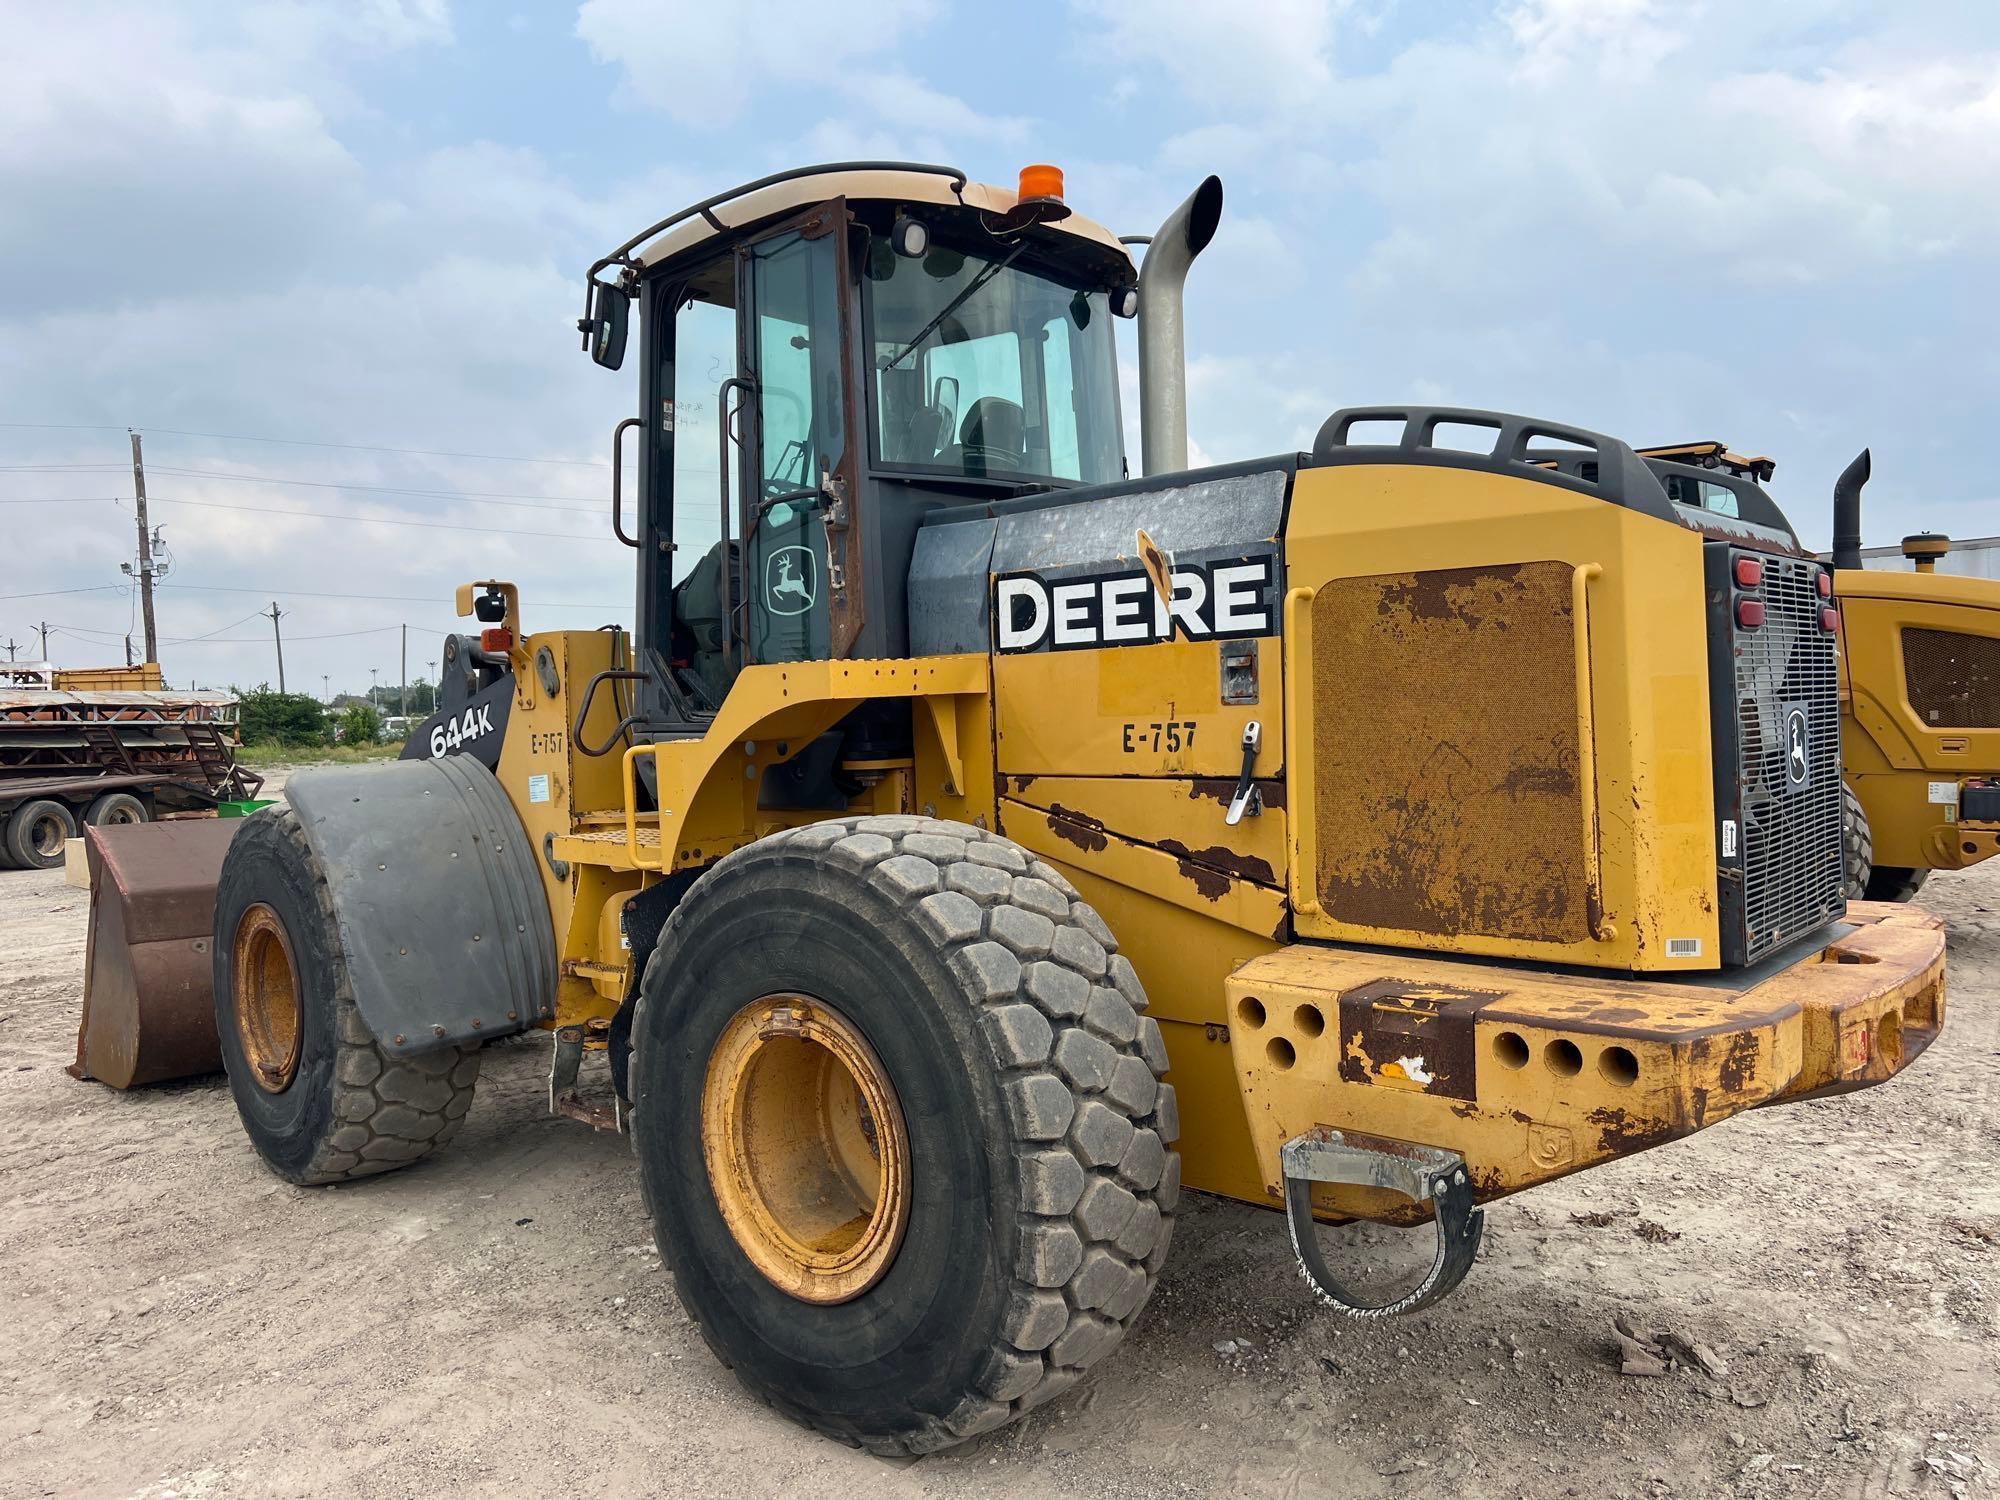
[{"x": 148, "y": 979}]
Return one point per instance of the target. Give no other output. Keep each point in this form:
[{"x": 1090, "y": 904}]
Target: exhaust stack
[
  {"x": 1162, "y": 345},
  {"x": 1847, "y": 512}
]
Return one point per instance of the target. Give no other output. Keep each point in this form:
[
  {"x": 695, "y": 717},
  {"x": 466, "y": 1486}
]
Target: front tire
[
  {"x": 319, "y": 1099},
  {"x": 1023, "y": 1151}
]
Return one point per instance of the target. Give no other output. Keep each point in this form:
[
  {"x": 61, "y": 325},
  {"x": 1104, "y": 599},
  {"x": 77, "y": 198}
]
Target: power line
[
  {"x": 257, "y": 640},
  {"x": 95, "y": 588},
  {"x": 189, "y": 640},
  {"x": 216, "y": 588},
  {"x": 322, "y": 515},
  {"x": 65, "y": 499},
  {"x": 497, "y": 497},
  {"x": 238, "y": 437}
]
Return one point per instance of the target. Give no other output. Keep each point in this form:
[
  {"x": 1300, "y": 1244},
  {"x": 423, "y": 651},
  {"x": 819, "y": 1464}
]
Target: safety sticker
[
  {"x": 538, "y": 788},
  {"x": 1945, "y": 792}
]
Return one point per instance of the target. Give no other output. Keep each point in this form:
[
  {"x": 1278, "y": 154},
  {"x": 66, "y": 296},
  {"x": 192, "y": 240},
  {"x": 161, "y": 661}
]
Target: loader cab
[{"x": 824, "y": 359}]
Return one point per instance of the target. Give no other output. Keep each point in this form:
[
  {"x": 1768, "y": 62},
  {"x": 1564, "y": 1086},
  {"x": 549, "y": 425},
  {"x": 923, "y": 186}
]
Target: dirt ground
[{"x": 495, "y": 1322}]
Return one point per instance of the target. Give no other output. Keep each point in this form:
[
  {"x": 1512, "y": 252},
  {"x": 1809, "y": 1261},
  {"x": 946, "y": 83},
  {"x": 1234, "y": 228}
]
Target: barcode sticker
[
  {"x": 1683, "y": 947},
  {"x": 1729, "y": 838}
]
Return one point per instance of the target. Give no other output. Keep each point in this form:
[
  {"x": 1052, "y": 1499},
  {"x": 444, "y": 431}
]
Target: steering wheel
[{"x": 989, "y": 459}]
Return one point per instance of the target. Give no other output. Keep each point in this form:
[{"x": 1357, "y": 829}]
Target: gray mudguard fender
[{"x": 436, "y": 898}]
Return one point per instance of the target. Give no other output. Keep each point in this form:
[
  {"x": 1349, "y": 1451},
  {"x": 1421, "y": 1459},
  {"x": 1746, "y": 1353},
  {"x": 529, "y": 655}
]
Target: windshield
[{"x": 987, "y": 370}]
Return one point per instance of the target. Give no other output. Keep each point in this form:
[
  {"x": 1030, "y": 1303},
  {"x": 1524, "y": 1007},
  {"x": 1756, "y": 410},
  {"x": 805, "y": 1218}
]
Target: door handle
[{"x": 1248, "y": 801}]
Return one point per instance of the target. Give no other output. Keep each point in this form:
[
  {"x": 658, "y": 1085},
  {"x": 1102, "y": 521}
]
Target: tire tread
[{"x": 1035, "y": 949}]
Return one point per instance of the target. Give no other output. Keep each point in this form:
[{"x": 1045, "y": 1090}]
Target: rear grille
[
  {"x": 1777, "y": 725},
  {"x": 1953, "y": 679}
]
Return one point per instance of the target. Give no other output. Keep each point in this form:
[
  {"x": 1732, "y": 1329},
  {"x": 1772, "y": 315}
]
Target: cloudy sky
[{"x": 359, "y": 227}]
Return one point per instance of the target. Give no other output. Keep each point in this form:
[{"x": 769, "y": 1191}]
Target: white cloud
[
  {"x": 704, "y": 63},
  {"x": 1271, "y": 56}
]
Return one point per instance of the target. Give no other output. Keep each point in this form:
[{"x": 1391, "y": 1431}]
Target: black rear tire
[
  {"x": 349, "y": 1109},
  {"x": 117, "y": 808},
  {"x": 1857, "y": 847},
  {"x": 1042, "y": 1183},
  {"x": 37, "y": 833},
  {"x": 1895, "y": 883}
]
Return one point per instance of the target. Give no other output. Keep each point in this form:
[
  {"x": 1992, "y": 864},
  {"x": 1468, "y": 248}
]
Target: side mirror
[{"x": 605, "y": 328}]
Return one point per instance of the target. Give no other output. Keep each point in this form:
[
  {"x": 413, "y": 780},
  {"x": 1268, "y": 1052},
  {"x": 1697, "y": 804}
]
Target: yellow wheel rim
[
  {"x": 266, "y": 996},
  {"x": 805, "y": 1148}
]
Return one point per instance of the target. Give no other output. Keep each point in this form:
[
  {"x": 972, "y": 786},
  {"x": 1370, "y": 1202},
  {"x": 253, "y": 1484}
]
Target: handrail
[
  {"x": 724, "y": 565},
  {"x": 630, "y": 721},
  {"x": 1586, "y": 753},
  {"x": 618, "y": 479},
  {"x": 706, "y": 208},
  {"x": 1297, "y": 618},
  {"x": 629, "y": 775}
]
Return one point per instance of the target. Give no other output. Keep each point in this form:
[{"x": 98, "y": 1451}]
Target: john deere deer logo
[
  {"x": 788, "y": 581},
  {"x": 1796, "y": 764}
]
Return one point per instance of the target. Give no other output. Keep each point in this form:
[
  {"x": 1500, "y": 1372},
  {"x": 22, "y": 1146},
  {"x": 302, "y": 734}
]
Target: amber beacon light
[{"x": 1041, "y": 181}]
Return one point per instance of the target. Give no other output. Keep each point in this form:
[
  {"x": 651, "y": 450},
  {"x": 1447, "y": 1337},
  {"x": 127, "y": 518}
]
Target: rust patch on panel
[
  {"x": 1739, "y": 1064},
  {"x": 1622, "y": 1134},
  {"x": 1222, "y": 788},
  {"x": 1229, "y": 861},
  {"x": 1078, "y": 828},
  {"x": 1212, "y": 884},
  {"x": 1411, "y": 1035},
  {"x": 1445, "y": 734}
]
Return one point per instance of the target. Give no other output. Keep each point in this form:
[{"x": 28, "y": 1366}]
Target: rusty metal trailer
[{"x": 72, "y": 759}]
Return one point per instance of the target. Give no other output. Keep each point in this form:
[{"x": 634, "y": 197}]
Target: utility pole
[
  {"x": 403, "y": 693},
  {"x": 146, "y": 556},
  {"x": 128, "y": 648},
  {"x": 10, "y": 648},
  {"x": 281, "y": 644},
  {"x": 43, "y": 629},
  {"x": 325, "y": 692},
  {"x": 434, "y": 687}
]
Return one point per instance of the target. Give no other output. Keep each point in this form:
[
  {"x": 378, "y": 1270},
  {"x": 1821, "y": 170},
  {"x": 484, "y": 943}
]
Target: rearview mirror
[{"x": 610, "y": 315}]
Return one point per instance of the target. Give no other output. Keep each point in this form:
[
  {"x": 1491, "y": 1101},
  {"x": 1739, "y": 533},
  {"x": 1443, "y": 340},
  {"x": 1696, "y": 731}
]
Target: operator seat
[{"x": 994, "y": 435}]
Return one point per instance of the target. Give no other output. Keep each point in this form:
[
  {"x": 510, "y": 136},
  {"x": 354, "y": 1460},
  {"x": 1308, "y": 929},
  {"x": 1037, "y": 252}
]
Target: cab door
[{"x": 794, "y": 475}]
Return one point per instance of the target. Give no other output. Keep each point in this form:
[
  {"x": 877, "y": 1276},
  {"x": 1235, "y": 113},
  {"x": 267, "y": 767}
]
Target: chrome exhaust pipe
[{"x": 1163, "y": 442}]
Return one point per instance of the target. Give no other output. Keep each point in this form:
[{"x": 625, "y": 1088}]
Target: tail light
[
  {"x": 499, "y": 638},
  {"x": 1829, "y": 617},
  {"x": 1825, "y": 582},
  {"x": 1749, "y": 572},
  {"x": 1749, "y": 613}
]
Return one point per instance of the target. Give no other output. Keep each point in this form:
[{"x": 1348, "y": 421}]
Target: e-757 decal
[{"x": 1217, "y": 601}]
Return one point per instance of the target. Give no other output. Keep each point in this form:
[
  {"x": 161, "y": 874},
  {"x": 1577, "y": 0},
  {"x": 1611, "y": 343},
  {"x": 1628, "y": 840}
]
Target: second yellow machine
[{"x": 1395, "y": 825}]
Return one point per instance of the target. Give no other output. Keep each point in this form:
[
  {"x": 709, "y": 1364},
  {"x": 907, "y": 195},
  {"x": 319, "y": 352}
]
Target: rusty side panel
[
  {"x": 1176, "y": 815},
  {"x": 1445, "y": 728}
]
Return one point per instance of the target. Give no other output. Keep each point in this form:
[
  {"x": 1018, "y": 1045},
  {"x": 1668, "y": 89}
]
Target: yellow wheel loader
[
  {"x": 1920, "y": 685},
  {"x": 1920, "y": 708},
  {"x": 975, "y": 844}
]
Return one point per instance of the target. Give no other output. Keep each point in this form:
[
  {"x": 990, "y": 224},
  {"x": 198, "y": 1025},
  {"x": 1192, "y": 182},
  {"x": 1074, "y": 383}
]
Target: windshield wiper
[{"x": 992, "y": 269}]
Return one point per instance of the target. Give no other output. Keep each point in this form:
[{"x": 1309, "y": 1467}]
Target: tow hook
[
  {"x": 1418, "y": 1173},
  {"x": 1248, "y": 800}
]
